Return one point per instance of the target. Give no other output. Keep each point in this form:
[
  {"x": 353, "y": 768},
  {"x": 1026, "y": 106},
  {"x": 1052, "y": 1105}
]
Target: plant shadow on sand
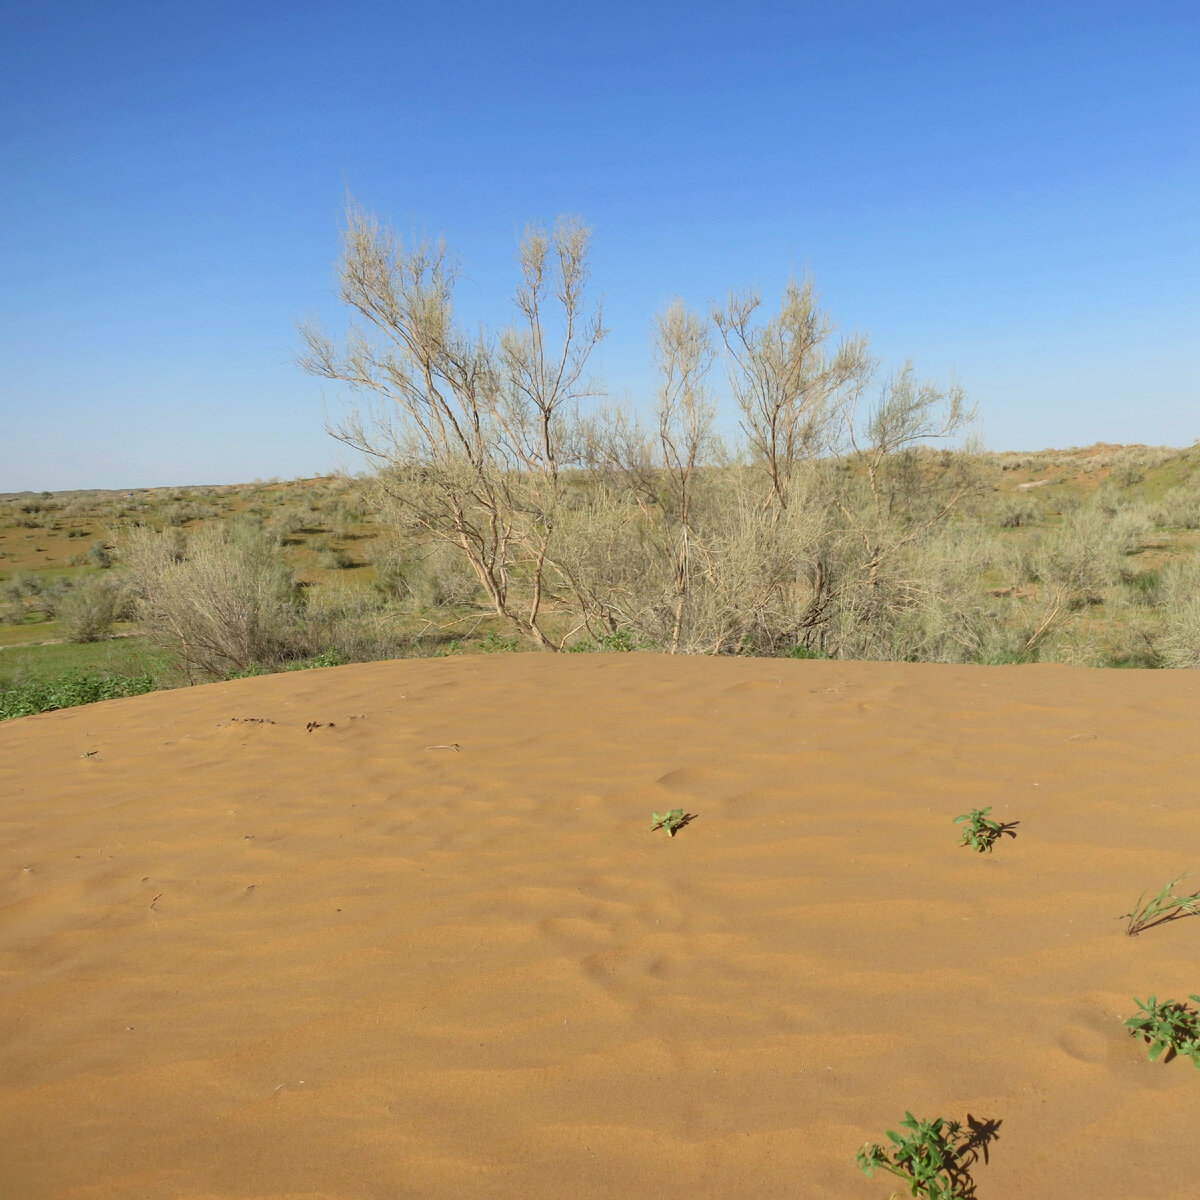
[
  {"x": 1166, "y": 906},
  {"x": 935, "y": 1158},
  {"x": 673, "y": 821},
  {"x": 982, "y": 1133}
]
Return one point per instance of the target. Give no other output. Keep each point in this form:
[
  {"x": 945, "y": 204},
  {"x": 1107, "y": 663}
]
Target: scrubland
[
  {"x": 1080, "y": 556},
  {"x": 810, "y": 505},
  {"x": 591, "y": 920}
]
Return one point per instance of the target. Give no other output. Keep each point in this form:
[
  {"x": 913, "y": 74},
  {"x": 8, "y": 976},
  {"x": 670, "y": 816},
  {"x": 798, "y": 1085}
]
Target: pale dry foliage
[
  {"x": 1180, "y": 604},
  {"x": 838, "y": 522},
  {"x": 225, "y": 602},
  {"x": 475, "y": 431},
  {"x": 815, "y": 535},
  {"x": 94, "y": 604}
]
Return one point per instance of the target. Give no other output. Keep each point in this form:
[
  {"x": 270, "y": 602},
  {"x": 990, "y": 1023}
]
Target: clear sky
[{"x": 1004, "y": 192}]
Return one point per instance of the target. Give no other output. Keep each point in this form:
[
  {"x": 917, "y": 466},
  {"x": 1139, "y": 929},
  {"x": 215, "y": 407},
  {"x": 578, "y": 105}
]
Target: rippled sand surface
[{"x": 401, "y": 931}]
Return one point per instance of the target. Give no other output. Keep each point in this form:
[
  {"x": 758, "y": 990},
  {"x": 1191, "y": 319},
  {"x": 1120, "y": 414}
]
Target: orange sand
[{"x": 247, "y": 960}]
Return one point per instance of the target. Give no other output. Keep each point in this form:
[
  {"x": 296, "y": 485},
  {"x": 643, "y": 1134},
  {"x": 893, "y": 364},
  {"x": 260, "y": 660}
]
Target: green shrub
[
  {"x": 493, "y": 643},
  {"x": 800, "y": 650},
  {"x": 930, "y": 1158},
  {"x": 1171, "y": 1026},
  {"x": 671, "y": 821},
  {"x": 620, "y": 641},
  {"x": 70, "y": 690},
  {"x": 980, "y": 833}
]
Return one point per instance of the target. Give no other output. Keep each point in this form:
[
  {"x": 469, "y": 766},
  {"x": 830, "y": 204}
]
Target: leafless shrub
[
  {"x": 814, "y": 540},
  {"x": 477, "y": 429}
]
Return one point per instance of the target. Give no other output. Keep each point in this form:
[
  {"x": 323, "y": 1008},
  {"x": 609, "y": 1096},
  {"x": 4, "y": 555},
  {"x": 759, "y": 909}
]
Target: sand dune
[{"x": 401, "y": 931}]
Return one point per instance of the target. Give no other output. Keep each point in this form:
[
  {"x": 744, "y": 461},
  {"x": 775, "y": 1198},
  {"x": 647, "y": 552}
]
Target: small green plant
[
  {"x": 1166, "y": 906},
  {"x": 671, "y": 821},
  {"x": 493, "y": 643},
  {"x": 800, "y": 650},
  {"x": 1170, "y": 1026},
  {"x": 621, "y": 641},
  {"x": 981, "y": 834},
  {"x": 327, "y": 658},
  {"x": 929, "y": 1158}
]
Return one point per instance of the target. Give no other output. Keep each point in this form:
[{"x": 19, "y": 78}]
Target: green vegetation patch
[
  {"x": 1171, "y": 1026},
  {"x": 35, "y": 664},
  {"x": 70, "y": 690},
  {"x": 930, "y": 1158}
]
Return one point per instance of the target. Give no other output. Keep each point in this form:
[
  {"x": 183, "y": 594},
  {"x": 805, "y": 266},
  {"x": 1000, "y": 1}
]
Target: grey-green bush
[
  {"x": 89, "y": 610},
  {"x": 230, "y": 604}
]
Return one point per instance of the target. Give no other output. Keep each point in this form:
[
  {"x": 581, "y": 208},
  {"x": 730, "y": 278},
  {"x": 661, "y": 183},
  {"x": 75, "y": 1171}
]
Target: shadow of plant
[{"x": 934, "y": 1158}]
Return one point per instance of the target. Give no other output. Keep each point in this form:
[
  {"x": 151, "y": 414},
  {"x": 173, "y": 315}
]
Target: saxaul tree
[
  {"x": 647, "y": 475},
  {"x": 806, "y": 535},
  {"x": 871, "y": 495},
  {"x": 788, "y": 386},
  {"x": 471, "y": 431}
]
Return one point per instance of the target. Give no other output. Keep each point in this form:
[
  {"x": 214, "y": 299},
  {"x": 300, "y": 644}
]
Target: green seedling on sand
[
  {"x": 1166, "y": 906},
  {"x": 671, "y": 821},
  {"x": 980, "y": 833},
  {"x": 928, "y": 1158},
  {"x": 1171, "y": 1025}
]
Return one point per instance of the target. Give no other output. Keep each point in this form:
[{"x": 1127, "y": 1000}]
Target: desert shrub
[
  {"x": 1109, "y": 500},
  {"x": 928, "y": 605},
  {"x": 1144, "y": 587},
  {"x": 17, "y": 589},
  {"x": 21, "y": 584},
  {"x": 89, "y": 610},
  {"x": 355, "y": 624},
  {"x": 290, "y": 521},
  {"x": 1180, "y": 507},
  {"x": 1017, "y": 511},
  {"x": 1086, "y": 553},
  {"x": 1179, "y": 589},
  {"x": 1133, "y": 636},
  {"x": 99, "y": 555},
  {"x": 425, "y": 577},
  {"x": 334, "y": 558},
  {"x": 49, "y": 596},
  {"x": 230, "y": 602},
  {"x": 340, "y": 516}
]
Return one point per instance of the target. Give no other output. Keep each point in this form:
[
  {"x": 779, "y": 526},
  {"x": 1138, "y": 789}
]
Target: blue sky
[{"x": 1006, "y": 193}]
